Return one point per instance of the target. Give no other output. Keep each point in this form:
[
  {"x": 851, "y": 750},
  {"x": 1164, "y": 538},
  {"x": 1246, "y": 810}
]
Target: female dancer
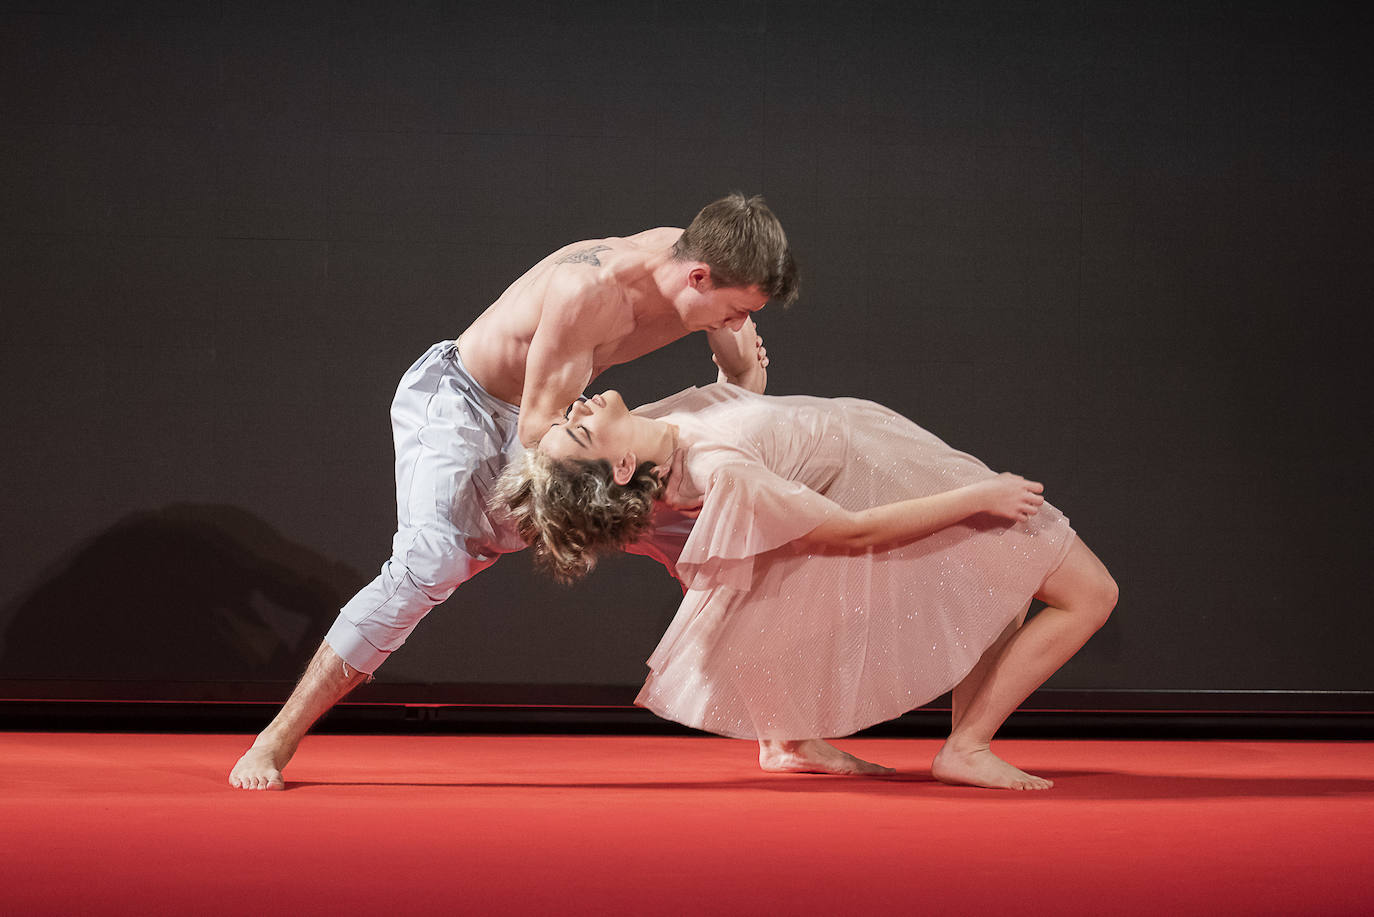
[{"x": 846, "y": 566}]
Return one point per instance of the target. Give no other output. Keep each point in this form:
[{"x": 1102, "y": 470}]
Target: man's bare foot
[
  {"x": 814, "y": 756},
  {"x": 258, "y": 769},
  {"x": 978, "y": 766}
]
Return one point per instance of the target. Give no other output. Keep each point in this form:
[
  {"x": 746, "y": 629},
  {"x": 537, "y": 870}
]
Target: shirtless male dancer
[{"x": 468, "y": 404}]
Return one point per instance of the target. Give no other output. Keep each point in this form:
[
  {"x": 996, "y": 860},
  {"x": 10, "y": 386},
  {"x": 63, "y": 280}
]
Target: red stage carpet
[{"x": 138, "y": 824}]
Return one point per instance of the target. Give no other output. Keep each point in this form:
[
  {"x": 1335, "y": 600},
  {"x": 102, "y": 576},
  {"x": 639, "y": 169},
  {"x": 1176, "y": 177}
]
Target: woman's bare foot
[
  {"x": 978, "y": 766},
  {"x": 814, "y": 756},
  {"x": 258, "y": 769}
]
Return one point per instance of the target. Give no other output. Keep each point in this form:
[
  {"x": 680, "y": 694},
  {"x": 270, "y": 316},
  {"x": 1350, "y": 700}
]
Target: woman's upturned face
[{"x": 599, "y": 428}]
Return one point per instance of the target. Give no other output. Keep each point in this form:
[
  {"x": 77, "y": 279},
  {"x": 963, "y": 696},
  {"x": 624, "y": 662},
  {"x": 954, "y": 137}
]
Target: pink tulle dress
[{"x": 778, "y": 642}]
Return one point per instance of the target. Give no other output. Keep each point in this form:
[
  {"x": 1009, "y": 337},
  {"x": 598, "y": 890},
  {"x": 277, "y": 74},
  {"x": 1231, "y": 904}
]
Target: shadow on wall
[{"x": 188, "y": 592}]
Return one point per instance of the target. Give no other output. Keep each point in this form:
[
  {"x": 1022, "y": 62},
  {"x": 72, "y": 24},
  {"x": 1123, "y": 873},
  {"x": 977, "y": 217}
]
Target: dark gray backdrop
[{"x": 1119, "y": 247}]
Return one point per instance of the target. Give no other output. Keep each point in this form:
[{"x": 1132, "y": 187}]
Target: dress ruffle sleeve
[{"x": 748, "y": 511}]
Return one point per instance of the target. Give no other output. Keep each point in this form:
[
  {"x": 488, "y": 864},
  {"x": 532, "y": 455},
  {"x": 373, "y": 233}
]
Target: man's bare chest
[{"x": 643, "y": 339}]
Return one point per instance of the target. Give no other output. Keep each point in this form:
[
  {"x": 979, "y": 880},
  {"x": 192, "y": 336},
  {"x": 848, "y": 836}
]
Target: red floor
[{"x": 131, "y": 824}]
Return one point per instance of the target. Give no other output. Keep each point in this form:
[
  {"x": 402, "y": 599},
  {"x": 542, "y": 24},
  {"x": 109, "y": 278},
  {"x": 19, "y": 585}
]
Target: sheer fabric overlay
[{"x": 775, "y": 642}]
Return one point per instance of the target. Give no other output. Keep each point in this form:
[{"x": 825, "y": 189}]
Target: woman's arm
[{"x": 1007, "y": 496}]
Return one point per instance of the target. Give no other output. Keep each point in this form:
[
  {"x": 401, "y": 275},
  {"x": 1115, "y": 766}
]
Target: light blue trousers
[{"x": 452, "y": 440}]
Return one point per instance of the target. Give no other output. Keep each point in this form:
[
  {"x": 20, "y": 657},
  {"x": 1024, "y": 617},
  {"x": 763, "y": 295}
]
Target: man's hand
[
  {"x": 678, "y": 492},
  {"x": 741, "y": 356}
]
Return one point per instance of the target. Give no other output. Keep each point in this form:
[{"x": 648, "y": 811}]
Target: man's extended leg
[
  {"x": 371, "y": 626},
  {"x": 451, "y": 440},
  {"x": 1080, "y": 595},
  {"x": 326, "y": 680}
]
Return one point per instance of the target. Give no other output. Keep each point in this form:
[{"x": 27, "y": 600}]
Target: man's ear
[
  {"x": 624, "y": 469},
  {"x": 699, "y": 278}
]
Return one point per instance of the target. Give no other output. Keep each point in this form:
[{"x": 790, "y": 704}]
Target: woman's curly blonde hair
[{"x": 571, "y": 511}]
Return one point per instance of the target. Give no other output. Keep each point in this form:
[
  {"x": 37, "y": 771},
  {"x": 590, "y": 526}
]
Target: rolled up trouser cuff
[{"x": 352, "y": 647}]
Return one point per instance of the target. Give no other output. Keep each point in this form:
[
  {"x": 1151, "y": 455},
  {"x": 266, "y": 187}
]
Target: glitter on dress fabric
[{"x": 780, "y": 643}]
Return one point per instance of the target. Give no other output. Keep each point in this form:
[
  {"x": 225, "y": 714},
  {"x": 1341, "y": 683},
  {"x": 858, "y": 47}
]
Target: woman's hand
[{"x": 1010, "y": 496}]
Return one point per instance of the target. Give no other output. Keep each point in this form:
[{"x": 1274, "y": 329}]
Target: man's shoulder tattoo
[{"x": 584, "y": 256}]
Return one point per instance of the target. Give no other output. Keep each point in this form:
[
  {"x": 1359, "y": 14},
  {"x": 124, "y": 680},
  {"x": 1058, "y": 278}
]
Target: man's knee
[
  {"x": 436, "y": 579},
  {"x": 436, "y": 567},
  {"x": 435, "y": 590}
]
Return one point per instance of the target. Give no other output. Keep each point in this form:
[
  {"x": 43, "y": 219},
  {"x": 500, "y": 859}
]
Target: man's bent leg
[{"x": 326, "y": 680}]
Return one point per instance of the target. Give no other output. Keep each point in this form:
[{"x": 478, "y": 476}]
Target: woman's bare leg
[
  {"x": 1080, "y": 595},
  {"x": 966, "y": 690},
  {"x": 816, "y": 756}
]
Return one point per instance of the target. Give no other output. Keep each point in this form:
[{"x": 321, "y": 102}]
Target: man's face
[{"x": 711, "y": 308}]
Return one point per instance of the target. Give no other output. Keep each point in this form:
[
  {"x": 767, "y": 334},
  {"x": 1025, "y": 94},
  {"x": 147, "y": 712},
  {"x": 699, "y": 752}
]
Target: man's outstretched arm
[{"x": 325, "y": 682}]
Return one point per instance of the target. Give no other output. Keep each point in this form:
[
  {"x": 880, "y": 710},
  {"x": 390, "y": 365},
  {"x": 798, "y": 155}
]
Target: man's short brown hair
[{"x": 743, "y": 244}]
